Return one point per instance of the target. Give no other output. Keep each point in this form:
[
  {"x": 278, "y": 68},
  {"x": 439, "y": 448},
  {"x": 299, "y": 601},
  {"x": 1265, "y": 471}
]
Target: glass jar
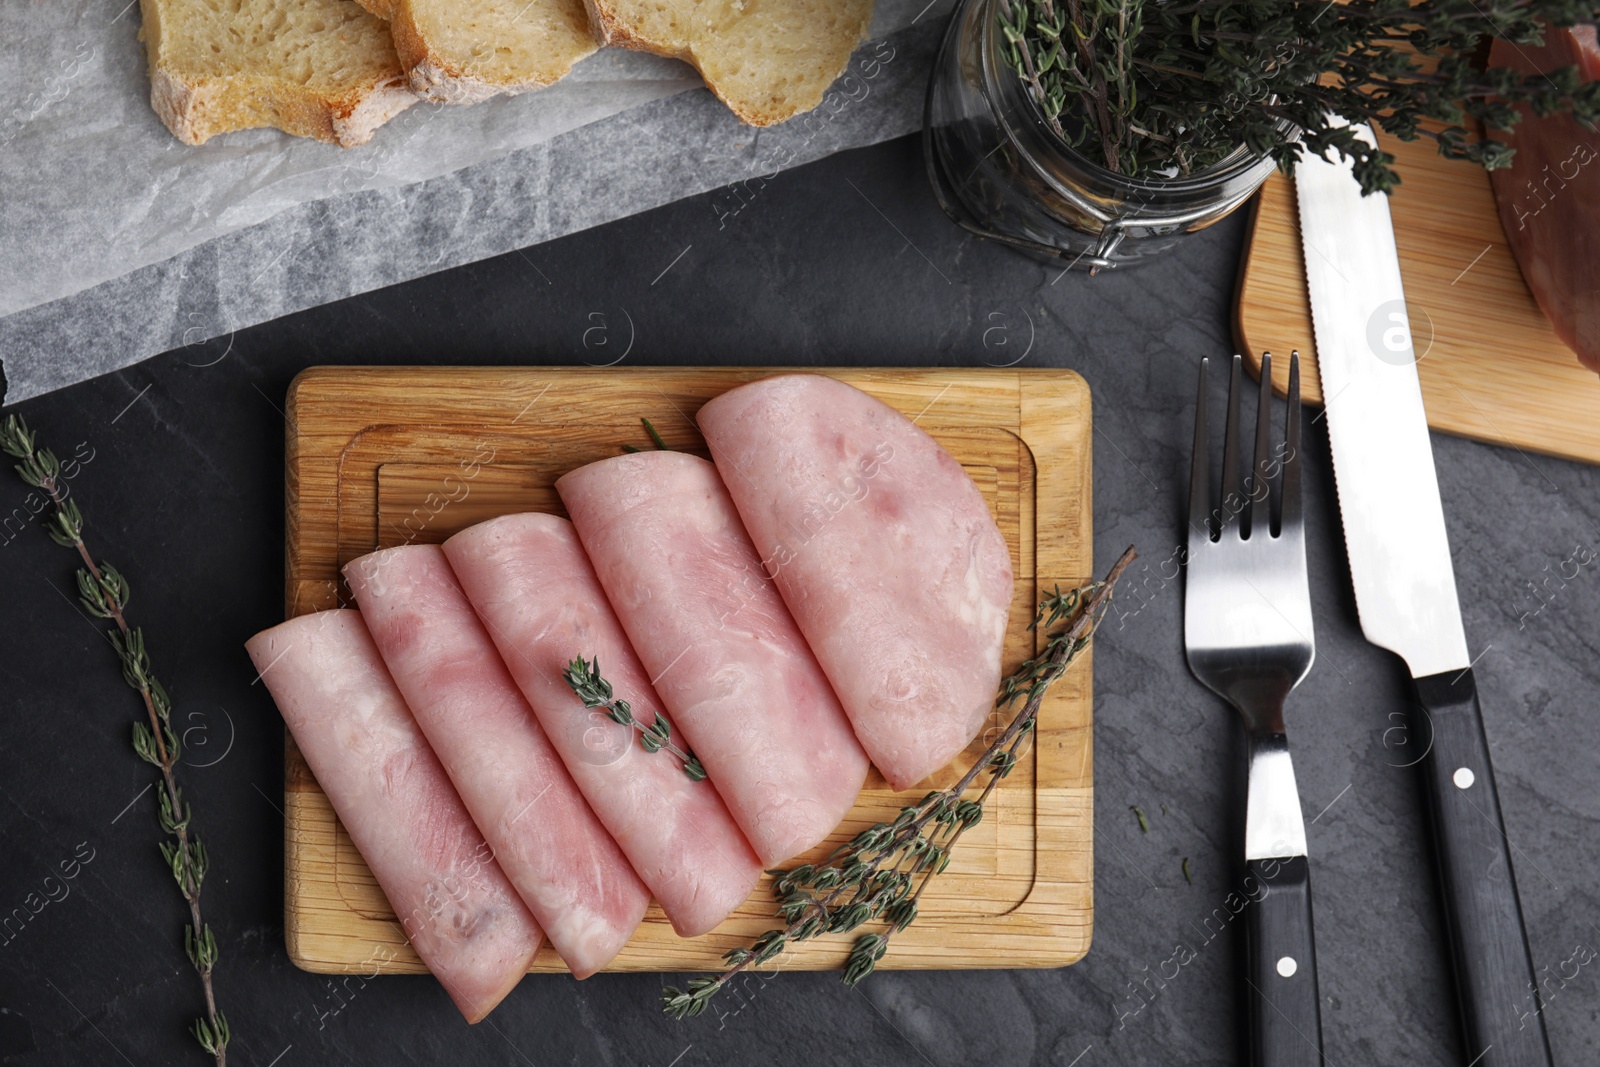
[{"x": 1000, "y": 172}]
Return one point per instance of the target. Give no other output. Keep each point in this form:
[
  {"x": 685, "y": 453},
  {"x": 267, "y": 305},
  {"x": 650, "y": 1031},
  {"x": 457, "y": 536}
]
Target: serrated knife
[{"x": 1405, "y": 589}]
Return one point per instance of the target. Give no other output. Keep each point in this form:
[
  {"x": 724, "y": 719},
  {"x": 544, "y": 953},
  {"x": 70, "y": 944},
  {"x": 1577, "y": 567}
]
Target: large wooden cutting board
[
  {"x": 381, "y": 456},
  {"x": 1492, "y": 368}
]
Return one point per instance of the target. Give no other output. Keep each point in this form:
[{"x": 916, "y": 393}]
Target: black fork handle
[{"x": 1285, "y": 1017}]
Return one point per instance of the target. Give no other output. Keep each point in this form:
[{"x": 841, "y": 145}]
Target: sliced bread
[
  {"x": 314, "y": 68},
  {"x": 768, "y": 60},
  {"x": 463, "y": 51}
]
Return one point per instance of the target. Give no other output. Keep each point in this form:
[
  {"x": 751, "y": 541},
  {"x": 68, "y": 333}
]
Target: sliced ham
[
  {"x": 529, "y": 580},
  {"x": 724, "y": 655},
  {"x": 392, "y": 795},
  {"x": 885, "y": 553},
  {"x": 1549, "y": 198},
  {"x": 567, "y": 869}
]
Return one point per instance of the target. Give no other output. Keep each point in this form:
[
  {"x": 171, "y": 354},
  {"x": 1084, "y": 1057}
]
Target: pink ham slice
[
  {"x": 392, "y": 795},
  {"x": 884, "y": 551},
  {"x": 529, "y": 580},
  {"x": 1549, "y": 198},
  {"x": 568, "y": 870},
  {"x": 725, "y": 656}
]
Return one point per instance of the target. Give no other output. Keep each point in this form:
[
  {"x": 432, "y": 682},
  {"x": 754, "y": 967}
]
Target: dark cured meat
[{"x": 1549, "y": 198}]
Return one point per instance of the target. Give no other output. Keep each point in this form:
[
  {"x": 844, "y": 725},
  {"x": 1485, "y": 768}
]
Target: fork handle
[
  {"x": 1281, "y": 965},
  {"x": 1500, "y": 1011}
]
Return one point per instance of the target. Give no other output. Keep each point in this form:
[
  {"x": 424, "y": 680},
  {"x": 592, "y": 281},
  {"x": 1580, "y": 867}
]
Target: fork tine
[
  {"x": 1200, "y": 468},
  {"x": 1232, "y": 487},
  {"x": 1258, "y": 487},
  {"x": 1291, "y": 460}
]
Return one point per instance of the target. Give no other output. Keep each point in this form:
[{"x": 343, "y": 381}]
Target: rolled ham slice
[
  {"x": 722, "y": 651},
  {"x": 885, "y": 553},
  {"x": 561, "y": 860},
  {"x": 454, "y": 902},
  {"x": 530, "y": 582}
]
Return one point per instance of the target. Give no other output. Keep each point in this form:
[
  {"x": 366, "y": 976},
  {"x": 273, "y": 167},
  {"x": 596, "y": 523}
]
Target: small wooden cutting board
[
  {"x": 1491, "y": 366},
  {"x": 382, "y": 456}
]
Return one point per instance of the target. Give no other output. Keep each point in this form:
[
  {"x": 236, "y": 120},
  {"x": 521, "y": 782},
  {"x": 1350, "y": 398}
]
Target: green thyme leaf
[
  {"x": 583, "y": 677},
  {"x": 651, "y": 430}
]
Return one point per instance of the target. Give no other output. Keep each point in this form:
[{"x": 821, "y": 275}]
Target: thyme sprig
[
  {"x": 583, "y": 677},
  {"x": 104, "y": 592},
  {"x": 655, "y": 436},
  {"x": 880, "y": 874},
  {"x": 1157, "y": 88}
]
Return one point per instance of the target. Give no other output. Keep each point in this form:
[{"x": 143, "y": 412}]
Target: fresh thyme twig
[
  {"x": 881, "y": 873},
  {"x": 104, "y": 593},
  {"x": 654, "y": 436},
  {"x": 583, "y": 676},
  {"x": 651, "y": 430}
]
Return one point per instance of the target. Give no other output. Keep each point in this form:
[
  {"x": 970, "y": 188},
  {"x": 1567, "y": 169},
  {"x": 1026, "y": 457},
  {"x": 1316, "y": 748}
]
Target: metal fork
[{"x": 1247, "y": 629}]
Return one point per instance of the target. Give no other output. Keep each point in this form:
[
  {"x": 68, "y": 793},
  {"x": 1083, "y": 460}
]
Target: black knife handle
[
  {"x": 1500, "y": 1017},
  {"x": 1281, "y": 962}
]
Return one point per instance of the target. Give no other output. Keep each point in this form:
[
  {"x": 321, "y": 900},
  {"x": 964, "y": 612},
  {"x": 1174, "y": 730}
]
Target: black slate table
[{"x": 842, "y": 262}]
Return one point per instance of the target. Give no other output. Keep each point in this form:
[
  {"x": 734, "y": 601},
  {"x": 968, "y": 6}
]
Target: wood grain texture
[
  {"x": 384, "y": 456},
  {"x": 1492, "y": 368}
]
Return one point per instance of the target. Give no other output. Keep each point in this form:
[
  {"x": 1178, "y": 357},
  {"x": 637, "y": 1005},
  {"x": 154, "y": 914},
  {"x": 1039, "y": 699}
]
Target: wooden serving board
[
  {"x": 1492, "y": 368},
  {"x": 381, "y": 456}
]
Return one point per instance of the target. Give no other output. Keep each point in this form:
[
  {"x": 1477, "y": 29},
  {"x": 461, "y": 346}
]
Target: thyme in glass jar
[{"x": 1159, "y": 88}]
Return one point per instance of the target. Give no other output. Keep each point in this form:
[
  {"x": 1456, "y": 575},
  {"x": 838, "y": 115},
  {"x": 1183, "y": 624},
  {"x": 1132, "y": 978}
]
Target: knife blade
[{"x": 1400, "y": 565}]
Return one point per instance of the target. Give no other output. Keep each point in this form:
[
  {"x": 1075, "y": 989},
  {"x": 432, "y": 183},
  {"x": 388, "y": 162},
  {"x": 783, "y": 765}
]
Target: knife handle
[
  {"x": 1500, "y": 1016},
  {"x": 1281, "y": 958}
]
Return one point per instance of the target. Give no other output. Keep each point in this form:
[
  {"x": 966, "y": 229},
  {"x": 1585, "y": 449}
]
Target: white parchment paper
[
  {"x": 93, "y": 185},
  {"x": 75, "y": 207}
]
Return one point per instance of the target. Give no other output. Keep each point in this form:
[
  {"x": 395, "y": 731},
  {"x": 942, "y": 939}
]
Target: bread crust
[
  {"x": 613, "y": 29},
  {"x": 197, "y": 107},
  {"x": 196, "y": 110},
  {"x": 435, "y": 76},
  {"x": 370, "y": 110}
]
